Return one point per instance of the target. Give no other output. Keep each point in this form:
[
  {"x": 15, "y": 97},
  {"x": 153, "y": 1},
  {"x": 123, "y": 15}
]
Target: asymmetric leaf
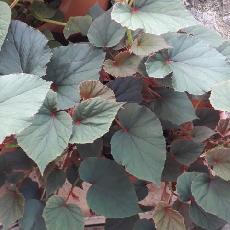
[
  {"x": 212, "y": 194},
  {"x": 195, "y": 66},
  {"x": 186, "y": 151},
  {"x": 140, "y": 146},
  {"x": 92, "y": 119},
  {"x": 25, "y": 50},
  {"x": 104, "y": 32},
  {"x": 210, "y": 36},
  {"x": 153, "y": 16},
  {"x": 48, "y": 135},
  {"x": 11, "y": 207},
  {"x": 21, "y": 96},
  {"x": 111, "y": 194},
  {"x": 92, "y": 89},
  {"x": 174, "y": 103},
  {"x": 5, "y": 16},
  {"x": 203, "y": 219},
  {"x": 128, "y": 89},
  {"x": 219, "y": 160},
  {"x": 78, "y": 24},
  {"x": 220, "y": 96},
  {"x": 165, "y": 217},
  {"x": 123, "y": 65},
  {"x": 60, "y": 215},
  {"x": 147, "y": 44},
  {"x": 69, "y": 66}
]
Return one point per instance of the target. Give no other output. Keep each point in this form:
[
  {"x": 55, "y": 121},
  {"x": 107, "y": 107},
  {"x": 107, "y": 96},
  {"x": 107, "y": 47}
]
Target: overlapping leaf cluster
[{"x": 139, "y": 103}]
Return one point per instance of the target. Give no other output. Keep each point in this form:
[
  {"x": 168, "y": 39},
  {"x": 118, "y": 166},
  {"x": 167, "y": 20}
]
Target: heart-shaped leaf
[
  {"x": 189, "y": 61},
  {"x": 25, "y": 50},
  {"x": 201, "y": 133},
  {"x": 5, "y": 16},
  {"x": 21, "y": 97},
  {"x": 104, "y": 32},
  {"x": 220, "y": 96},
  {"x": 11, "y": 207},
  {"x": 140, "y": 145},
  {"x": 186, "y": 152},
  {"x": 174, "y": 103},
  {"x": 210, "y": 36},
  {"x": 225, "y": 49},
  {"x": 146, "y": 44},
  {"x": 69, "y": 66},
  {"x": 92, "y": 89},
  {"x": 219, "y": 160},
  {"x": 123, "y": 65},
  {"x": 153, "y": 16},
  {"x": 212, "y": 194},
  {"x": 165, "y": 217},
  {"x": 60, "y": 215},
  {"x": 48, "y": 135},
  {"x": 111, "y": 194},
  {"x": 92, "y": 119}
]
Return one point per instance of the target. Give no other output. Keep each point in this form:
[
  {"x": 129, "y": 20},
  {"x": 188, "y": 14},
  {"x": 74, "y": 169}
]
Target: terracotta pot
[{"x": 72, "y": 8}]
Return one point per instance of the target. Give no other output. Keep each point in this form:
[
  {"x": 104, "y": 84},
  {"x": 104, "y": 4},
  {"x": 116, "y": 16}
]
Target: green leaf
[
  {"x": 146, "y": 44},
  {"x": 32, "y": 217},
  {"x": 128, "y": 89},
  {"x": 210, "y": 36},
  {"x": 72, "y": 174},
  {"x": 5, "y": 16},
  {"x": 212, "y": 194},
  {"x": 153, "y": 16},
  {"x": 21, "y": 97},
  {"x": 78, "y": 24},
  {"x": 48, "y": 135},
  {"x": 121, "y": 224},
  {"x": 104, "y": 32},
  {"x": 165, "y": 217},
  {"x": 219, "y": 159},
  {"x": 123, "y": 65},
  {"x": 144, "y": 224},
  {"x": 69, "y": 66},
  {"x": 42, "y": 10},
  {"x": 186, "y": 152},
  {"x": 90, "y": 150},
  {"x": 174, "y": 103},
  {"x": 92, "y": 119},
  {"x": 111, "y": 194},
  {"x": 183, "y": 186},
  {"x": 11, "y": 207},
  {"x": 203, "y": 219},
  {"x": 225, "y": 49},
  {"x": 201, "y": 133},
  {"x": 220, "y": 96},
  {"x": 25, "y": 50},
  {"x": 59, "y": 215},
  {"x": 140, "y": 146},
  {"x": 141, "y": 189},
  {"x": 55, "y": 180},
  {"x": 189, "y": 61},
  {"x": 92, "y": 89}
]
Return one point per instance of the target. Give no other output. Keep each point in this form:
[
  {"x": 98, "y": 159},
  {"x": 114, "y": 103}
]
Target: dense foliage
[{"x": 140, "y": 98}]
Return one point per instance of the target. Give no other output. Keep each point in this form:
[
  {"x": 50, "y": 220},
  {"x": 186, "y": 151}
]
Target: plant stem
[
  {"x": 14, "y": 3},
  {"x": 72, "y": 188},
  {"x": 131, "y": 2},
  {"x": 52, "y": 21},
  {"x": 130, "y": 37}
]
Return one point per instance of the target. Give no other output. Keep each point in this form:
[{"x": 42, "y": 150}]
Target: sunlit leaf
[
  {"x": 153, "y": 16},
  {"x": 225, "y": 49}
]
